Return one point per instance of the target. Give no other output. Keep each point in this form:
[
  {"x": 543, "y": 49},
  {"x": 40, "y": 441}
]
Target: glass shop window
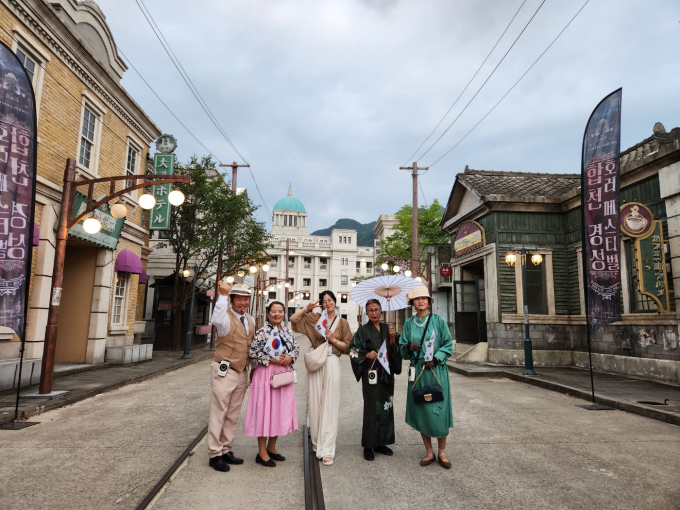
[{"x": 536, "y": 288}]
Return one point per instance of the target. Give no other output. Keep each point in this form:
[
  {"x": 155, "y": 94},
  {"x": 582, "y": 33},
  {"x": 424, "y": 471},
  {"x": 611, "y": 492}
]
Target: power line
[
  {"x": 466, "y": 86},
  {"x": 166, "y": 106},
  {"x": 194, "y": 90},
  {"x": 485, "y": 81},
  {"x": 515, "y": 84}
]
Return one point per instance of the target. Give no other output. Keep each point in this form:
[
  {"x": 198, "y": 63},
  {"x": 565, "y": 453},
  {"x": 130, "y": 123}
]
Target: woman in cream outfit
[{"x": 323, "y": 386}]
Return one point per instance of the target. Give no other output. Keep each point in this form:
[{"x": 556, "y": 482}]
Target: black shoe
[
  {"x": 230, "y": 458},
  {"x": 269, "y": 463},
  {"x": 218, "y": 464},
  {"x": 368, "y": 454},
  {"x": 384, "y": 450},
  {"x": 276, "y": 456}
]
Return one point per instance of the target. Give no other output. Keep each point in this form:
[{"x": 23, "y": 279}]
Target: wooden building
[{"x": 490, "y": 214}]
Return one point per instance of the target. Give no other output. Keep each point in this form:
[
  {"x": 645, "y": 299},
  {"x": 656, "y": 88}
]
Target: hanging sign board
[
  {"x": 651, "y": 266},
  {"x": 17, "y": 189},
  {"x": 160, "y": 214},
  {"x": 469, "y": 237},
  {"x": 108, "y": 236},
  {"x": 445, "y": 271},
  {"x": 636, "y": 220}
]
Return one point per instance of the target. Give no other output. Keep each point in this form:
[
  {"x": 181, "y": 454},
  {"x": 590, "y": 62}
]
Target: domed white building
[{"x": 315, "y": 263}]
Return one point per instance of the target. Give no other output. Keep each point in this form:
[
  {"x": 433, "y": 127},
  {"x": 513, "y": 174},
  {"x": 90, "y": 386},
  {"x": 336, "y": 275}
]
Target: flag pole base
[
  {"x": 595, "y": 407},
  {"x": 18, "y": 425},
  {"x": 51, "y": 394}
]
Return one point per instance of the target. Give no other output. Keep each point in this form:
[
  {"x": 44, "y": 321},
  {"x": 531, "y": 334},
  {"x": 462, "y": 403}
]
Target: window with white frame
[
  {"x": 29, "y": 62},
  {"x": 33, "y": 58},
  {"x": 87, "y": 139},
  {"x": 344, "y": 280},
  {"x": 120, "y": 298},
  {"x": 131, "y": 163}
]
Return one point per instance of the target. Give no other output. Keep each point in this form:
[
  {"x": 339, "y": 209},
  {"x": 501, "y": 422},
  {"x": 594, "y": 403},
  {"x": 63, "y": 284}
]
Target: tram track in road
[
  {"x": 314, "y": 498},
  {"x": 150, "y": 497}
]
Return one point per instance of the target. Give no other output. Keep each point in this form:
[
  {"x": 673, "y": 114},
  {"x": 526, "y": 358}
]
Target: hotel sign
[{"x": 469, "y": 237}]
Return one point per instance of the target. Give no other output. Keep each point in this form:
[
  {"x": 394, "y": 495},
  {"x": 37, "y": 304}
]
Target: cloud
[{"x": 333, "y": 96}]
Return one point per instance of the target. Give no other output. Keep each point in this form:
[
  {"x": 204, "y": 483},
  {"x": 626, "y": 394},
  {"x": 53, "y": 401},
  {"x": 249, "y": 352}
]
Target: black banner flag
[
  {"x": 17, "y": 189},
  {"x": 600, "y": 198}
]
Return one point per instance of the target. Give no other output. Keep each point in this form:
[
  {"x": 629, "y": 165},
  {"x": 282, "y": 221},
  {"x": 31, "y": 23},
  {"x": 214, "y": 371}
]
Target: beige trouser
[
  {"x": 323, "y": 389},
  {"x": 225, "y": 405}
]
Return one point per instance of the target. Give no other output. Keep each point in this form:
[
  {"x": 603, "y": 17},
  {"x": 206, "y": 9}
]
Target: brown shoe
[
  {"x": 444, "y": 463},
  {"x": 427, "y": 462}
]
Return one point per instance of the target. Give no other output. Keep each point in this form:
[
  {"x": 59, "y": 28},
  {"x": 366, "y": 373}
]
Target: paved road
[
  {"x": 106, "y": 451},
  {"x": 514, "y": 446}
]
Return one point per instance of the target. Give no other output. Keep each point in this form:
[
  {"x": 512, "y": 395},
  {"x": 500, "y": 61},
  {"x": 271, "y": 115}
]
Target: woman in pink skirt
[{"x": 271, "y": 412}]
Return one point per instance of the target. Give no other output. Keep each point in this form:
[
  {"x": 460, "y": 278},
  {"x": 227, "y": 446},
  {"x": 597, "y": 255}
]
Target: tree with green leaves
[
  {"x": 212, "y": 220},
  {"x": 398, "y": 244}
]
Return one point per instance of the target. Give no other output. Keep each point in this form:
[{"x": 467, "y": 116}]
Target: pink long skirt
[{"x": 270, "y": 412}]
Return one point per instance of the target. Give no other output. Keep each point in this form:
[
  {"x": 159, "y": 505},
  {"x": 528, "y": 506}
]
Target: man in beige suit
[{"x": 235, "y": 332}]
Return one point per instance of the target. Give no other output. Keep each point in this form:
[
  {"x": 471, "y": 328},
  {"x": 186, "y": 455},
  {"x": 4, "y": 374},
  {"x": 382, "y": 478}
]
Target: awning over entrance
[{"x": 128, "y": 262}]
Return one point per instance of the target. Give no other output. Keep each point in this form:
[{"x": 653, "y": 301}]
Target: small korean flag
[
  {"x": 382, "y": 357},
  {"x": 429, "y": 348},
  {"x": 322, "y": 324},
  {"x": 274, "y": 346}
]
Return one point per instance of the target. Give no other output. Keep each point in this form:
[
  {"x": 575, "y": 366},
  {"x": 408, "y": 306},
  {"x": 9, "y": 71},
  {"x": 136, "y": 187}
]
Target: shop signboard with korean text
[
  {"x": 164, "y": 164},
  {"x": 469, "y": 237},
  {"x": 109, "y": 234},
  {"x": 17, "y": 189},
  {"x": 600, "y": 198}
]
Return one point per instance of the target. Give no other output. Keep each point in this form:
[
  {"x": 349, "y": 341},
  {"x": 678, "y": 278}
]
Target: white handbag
[{"x": 315, "y": 359}]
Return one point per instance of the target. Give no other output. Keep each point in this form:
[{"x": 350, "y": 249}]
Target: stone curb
[
  {"x": 622, "y": 405},
  {"x": 26, "y": 412}
]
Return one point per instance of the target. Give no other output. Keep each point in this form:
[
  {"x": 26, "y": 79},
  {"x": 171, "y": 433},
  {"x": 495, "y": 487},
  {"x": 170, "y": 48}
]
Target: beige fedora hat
[
  {"x": 420, "y": 291},
  {"x": 239, "y": 290}
]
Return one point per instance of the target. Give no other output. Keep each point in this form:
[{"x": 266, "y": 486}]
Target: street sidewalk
[
  {"x": 85, "y": 381},
  {"x": 613, "y": 390}
]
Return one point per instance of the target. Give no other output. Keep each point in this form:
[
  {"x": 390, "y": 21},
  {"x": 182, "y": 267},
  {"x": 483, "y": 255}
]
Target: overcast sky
[{"x": 334, "y": 95}]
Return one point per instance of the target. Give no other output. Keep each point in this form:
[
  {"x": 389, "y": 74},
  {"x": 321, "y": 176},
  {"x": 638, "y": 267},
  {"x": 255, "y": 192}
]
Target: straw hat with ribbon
[{"x": 239, "y": 290}]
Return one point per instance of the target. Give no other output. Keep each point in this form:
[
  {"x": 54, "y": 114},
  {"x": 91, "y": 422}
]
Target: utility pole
[
  {"x": 428, "y": 273},
  {"x": 414, "y": 221},
  {"x": 234, "y": 171}
]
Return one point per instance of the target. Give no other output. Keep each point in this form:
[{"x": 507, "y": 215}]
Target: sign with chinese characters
[
  {"x": 108, "y": 236},
  {"x": 600, "y": 197},
  {"x": 651, "y": 266},
  {"x": 469, "y": 237},
  {"x": 17, "y": 189},
  {"x": 636, "y": 219},
  {"x": 160, "y": 214}
]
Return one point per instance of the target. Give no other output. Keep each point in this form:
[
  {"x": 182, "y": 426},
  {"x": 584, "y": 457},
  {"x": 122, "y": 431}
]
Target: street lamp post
[
  {"x": 536, "y": 259},
  {"x": 65, "y": 223},
  {"x": 187, "y": 341}
]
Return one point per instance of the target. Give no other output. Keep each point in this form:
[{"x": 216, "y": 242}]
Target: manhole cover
[{"x": 653, "y": 403}]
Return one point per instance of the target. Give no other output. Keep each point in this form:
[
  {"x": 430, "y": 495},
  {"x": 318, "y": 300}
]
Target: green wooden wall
[{"x": 560, "y": 232}]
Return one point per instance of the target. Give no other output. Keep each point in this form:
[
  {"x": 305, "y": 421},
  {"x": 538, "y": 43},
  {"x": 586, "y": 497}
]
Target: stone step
[
  {"x": 125, "y": 354},
  {"x": 9, "y": 373}
]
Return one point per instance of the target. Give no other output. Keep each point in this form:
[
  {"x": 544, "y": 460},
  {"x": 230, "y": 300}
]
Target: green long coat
[
  {"x": 378, "y": 429},
  {"x": 433, "y": 419}
]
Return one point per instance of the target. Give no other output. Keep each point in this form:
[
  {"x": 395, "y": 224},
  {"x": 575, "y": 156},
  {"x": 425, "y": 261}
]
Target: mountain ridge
[{"x": 365, "y": 234}]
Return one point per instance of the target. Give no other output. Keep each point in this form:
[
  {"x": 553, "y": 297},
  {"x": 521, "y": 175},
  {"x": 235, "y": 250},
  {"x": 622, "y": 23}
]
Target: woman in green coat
[{"x": 431, "y": 419}]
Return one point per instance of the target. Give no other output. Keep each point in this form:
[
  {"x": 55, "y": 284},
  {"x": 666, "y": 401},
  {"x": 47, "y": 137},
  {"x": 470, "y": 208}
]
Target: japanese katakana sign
[
  {"x": 651, "y": 267},
  {"x": 17, "y": 189},
  {"x": 160, "y": 214},
  {"x": 600, "y": 197}
]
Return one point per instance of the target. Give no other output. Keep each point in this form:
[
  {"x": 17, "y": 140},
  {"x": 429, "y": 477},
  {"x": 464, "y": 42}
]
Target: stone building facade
[
  {"x": 315, "y": 263},
  {"x": 542, "y": 213},
  {"x": 83, "y": 113}
]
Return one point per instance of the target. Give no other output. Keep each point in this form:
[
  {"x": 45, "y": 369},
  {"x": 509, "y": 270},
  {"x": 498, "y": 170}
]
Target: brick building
[
  {"x": 542, "y": 212},
  {"x": 83, "y": 113}
]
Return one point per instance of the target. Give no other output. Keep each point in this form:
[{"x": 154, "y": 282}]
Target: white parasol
[{"x": 390, "y": 290}]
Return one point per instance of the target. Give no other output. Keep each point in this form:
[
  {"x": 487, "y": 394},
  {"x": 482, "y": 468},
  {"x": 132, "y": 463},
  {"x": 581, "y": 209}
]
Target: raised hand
[
  {"x": 224, "y": 288},
  {"x": 311, "y": 306}
]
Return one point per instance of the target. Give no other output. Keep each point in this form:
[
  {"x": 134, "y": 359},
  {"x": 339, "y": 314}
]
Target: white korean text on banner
[
  {"x": 17, "y": 189},
  {"x": 600, "y": 198}
]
